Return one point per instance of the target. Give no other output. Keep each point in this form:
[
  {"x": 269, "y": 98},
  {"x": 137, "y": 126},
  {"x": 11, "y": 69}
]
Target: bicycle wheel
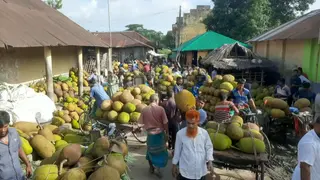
[
  {"x": 140, "y": 136},
  {"x": 120, "y": 136}
]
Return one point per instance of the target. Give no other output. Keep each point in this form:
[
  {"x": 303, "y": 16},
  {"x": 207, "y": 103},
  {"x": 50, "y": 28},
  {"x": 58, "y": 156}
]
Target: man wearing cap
[
  {"x": 11, "y": 151},
  {"x": 241, "y": 96},
  {"x": 193, "y": 154},
  {"x": 308, "y": 167}
]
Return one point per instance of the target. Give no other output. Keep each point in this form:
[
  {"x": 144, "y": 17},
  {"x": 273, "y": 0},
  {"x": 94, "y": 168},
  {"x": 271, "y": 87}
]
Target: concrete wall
[
  {"x": 191, "y": 24},
  {"x": 287, "y": 54},
  {"x": 26, "y": 64}
]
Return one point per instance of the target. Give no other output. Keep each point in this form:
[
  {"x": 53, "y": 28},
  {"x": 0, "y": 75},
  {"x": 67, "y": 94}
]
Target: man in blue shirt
[
  {"x": 203, "y": 114},
  {"x": 98, "y": 93},
  {"x": 241, "y": 96},
  {"x": 195, "y": 88},
  {"x": 305, "y": 92}
]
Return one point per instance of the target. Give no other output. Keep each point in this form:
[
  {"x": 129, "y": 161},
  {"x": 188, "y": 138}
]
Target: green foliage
[
  {"x": 244, "y": 19},
  {"x": 158, "y": 39},
  {"x": 55, "y": 4},
  {"x": 164, "y": 51}
]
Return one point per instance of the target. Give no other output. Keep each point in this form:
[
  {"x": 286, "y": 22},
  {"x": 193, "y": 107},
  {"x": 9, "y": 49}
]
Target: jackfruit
[
  {"x": 139, "y": 97},
  {"x": 106, "y": 173},
  {"x": 115, "y": 160},
  {"x": 86, "y": 164},
  {"x": 220, "y": 141},
  {"x": 26, "y": 127},
  {"x": 228, "y": 78},
  {"x": 134, "y": 117},
  {"x": 136, "y": 102},
  {"x": 123, "y": 118},
  {"x": 75, "y": 124},
  {"x": 185, "y": 100},
  {"x": 106, "y": 105},
  {"x": 74, "y": 116},
  {"x": 47, "y": 133},
  {"x": 46, "y": 172},
  {"x": 99, "y": 113},
  {"x": 24, "y": 135},
  {"x": 117, "y": 106},
  {"x": 112, "y": 115},
  {"x": 237, "y": 119},
  {"x": 234, "y": 132},
  {"x": 60, "y": 144},
  {"x": 26, "y": 146},
  {"x": 226, "y": 86},
  {"x": 302, "y": 103},
  {"x": 57, "y": 121},
  {"x": 129, "y": 108},
  {"x": 277, "y": 103},
  {"x": 51, "y": 127},
  {"x": 253, "y": 133},
  {"x": 52, "y": 159},
  {"x": 246, "y": 145},
  {"x": 214, "y": 125},
  {"x": 100, "y": 147},
  {"x": 136, "y": 91},
  {"x": 57, "y": 137},
  {"x": 277, "y": 113},
  {"x": 71, "y": 153},
  {"x": 116, "y": 96},
  {"x": 126, "y": 97},
  {"x": 42, "y": 146},
  {"x": 251, "y": 126}
]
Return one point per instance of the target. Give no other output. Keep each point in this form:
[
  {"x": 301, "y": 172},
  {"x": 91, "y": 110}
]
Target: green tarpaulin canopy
[{"x": 207, "y": 41}]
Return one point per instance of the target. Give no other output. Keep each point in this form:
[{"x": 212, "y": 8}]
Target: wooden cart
[{"x": 234, "y": 159}]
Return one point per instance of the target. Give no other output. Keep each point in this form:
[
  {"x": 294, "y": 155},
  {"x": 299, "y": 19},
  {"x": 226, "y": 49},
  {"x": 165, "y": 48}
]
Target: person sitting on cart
[
  {"x": 98, "y": 93},
  {"x": 224, "y": 109},
  {"x": 242, "y": 98},
  {"x": 203, "y": 114},
  {"x": 305, "y": 92},
  {"x": 282, "y": 91},
  {"x": 179, "y": 85}
]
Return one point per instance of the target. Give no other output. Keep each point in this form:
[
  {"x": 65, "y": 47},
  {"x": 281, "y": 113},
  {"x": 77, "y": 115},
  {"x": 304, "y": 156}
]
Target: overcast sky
[{"x": 153, "y": 14}]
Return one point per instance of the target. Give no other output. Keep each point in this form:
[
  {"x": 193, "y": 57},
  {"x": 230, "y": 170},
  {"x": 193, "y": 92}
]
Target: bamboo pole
[{"x": 98, "y": 60}]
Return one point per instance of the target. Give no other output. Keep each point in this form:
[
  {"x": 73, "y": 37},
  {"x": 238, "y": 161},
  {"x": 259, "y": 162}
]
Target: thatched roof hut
[{"x": 235, "y": 56}]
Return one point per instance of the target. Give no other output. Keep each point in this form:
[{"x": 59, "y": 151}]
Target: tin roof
[
  {"x": 304, "y": 27},
  {"x": 124, "y": 39},
  {"x": 31, "y": 23}
]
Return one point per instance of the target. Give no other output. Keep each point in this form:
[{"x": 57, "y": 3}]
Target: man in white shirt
[
  {"x": 308, "y": 167},
  {"x": 193, "y": 150}
]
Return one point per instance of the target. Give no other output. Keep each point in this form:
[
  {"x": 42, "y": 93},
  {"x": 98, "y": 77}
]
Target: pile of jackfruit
[
  {"x": 68, "y": 155},
  {"x": 192, "y": 78},
  {"x": 63, "y": 86},
  {"x": 210, "y": 91},
  {"x": 244, "y": 137},
  {"x": 126, "y": 105},
  {"x": 164, "y": 79},
  {"x": 259, "y": 93}
]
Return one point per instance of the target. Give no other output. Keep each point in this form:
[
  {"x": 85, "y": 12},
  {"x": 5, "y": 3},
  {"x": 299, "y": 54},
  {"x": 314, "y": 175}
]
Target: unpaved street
[{"x": 139, "y": 168}]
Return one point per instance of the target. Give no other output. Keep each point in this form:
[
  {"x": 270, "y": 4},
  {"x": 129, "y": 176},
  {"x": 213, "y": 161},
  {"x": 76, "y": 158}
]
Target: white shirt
[
  {"x": 309, "y": 152},
  {"x": 193, "y": 154},
  {"x": 304, "y": 79}
]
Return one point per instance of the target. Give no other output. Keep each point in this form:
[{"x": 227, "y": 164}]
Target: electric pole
[
  {"x": 110, "y": 37},
  {"x": 179, "y": 27}
]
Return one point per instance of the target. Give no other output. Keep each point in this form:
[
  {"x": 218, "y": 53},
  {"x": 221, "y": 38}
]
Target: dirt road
[{"x": 139, "y": 167}]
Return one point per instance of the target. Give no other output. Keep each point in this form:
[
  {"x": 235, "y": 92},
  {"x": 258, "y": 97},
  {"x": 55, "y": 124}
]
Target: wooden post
[
  {"x": 262, "y": 74},
  {"x": 98, "y": 60},
  {"x": 49, "y": 74},
  {"x": 80, "y": 71}
]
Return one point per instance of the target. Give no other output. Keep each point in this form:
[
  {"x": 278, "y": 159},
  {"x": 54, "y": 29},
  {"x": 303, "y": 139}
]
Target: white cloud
[{"x": 153, "y": 14}]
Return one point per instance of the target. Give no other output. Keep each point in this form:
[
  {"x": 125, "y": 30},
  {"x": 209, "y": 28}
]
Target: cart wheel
[
  {"x": 140, "y": 136},
  {"x": 260, "y": 172}
]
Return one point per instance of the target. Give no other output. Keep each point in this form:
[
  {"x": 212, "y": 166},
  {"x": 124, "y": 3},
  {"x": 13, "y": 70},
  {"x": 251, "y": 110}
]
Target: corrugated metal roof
[
  {"x": 31, "y": 23},
  {"x": 304, "y": 27},
  {"x": 207, "y": 41},
  {"x": 124, "y": 39}
]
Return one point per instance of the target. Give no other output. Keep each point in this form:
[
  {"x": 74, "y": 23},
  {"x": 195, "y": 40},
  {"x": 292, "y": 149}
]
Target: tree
[
  {"x": 169, "y": 40},
  {"x": 244, "y": 19},
  {"x": 55, "y": 4},
  {"x": 239, "y": 19},
  {"x": 285, "y": 10}
]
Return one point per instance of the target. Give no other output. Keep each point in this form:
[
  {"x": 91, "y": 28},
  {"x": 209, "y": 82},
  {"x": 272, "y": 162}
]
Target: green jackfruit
[
  {"x": 234, "y": 131},
  {"x": 124, "y": 118},
  {"x": 48, "y": 172},
  {"x": 134, "y": 117},
  {"x": 220, "y": 141},
  {"x": 246, "y": 145},
  {"x": 129, "y": 108}
]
